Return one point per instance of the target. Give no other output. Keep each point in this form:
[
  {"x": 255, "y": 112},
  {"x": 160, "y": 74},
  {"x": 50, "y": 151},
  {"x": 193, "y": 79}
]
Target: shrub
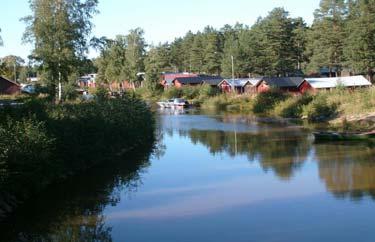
[
  {"x": 41, "y": 142},
  {"x": 292, "y": 107},
  {"x": 319, "y": 109},
  {"x": 172, "y": 92},
  {"x": 217, "y": 102},
  {"x": 264, "y": 102},
  {"x": 190, "y": 92},
  {"x": 69, "y": 92},
  {"x": 206, "y": 91},
  {"x": 101, "y": 93},
  {"x": 26, "y": 151}
]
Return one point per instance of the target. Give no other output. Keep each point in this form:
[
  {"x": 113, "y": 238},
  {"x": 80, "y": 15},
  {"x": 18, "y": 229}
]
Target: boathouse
[
  {"x": 240, "y": 85},
  {"x": 285, "y": 84},
  {"x": 329, "y": 83}
]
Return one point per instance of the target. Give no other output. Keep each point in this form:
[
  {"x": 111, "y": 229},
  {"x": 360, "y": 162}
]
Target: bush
[
  {"x": 26, "y": 151},
  {"x": 206, "y": 91},
  {"x": 190, "y": 92},
  {"x": 292, "y": 107},
  {"x": 319, "y": 109},
  {"x": 217, "y": 102},
  {"x": 41, "y": 142},
  {"x": 265, "y": 102},
  {"x": 172, "y": 92},
  {"x": 101, "y": 93},
  {"x": 69, "y": 92}
]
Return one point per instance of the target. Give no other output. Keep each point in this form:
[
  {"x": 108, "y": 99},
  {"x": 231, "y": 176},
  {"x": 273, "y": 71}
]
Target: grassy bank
[
  {"x": 41, "y": 143},
  {"x": 343, "y": 108}
]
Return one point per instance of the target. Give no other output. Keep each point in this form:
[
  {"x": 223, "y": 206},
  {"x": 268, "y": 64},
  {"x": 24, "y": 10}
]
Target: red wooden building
[
  {"x": 286, "y": 84},
  {"x": 9, "y": 87},
  {"x": 167, "y": 78},
  {"x": 239, "y": 86}
]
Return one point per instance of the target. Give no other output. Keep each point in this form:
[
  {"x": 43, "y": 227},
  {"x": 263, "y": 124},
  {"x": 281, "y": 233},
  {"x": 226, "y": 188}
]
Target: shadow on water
[{"x": 73, "y": 210}]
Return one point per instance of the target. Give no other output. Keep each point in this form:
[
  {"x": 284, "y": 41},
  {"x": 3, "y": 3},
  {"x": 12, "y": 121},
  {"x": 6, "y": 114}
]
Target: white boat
[
  {"x": 163, "y": 104},
  {"x": 173, "y": 103},
  {"x": 179, "y": 103}
]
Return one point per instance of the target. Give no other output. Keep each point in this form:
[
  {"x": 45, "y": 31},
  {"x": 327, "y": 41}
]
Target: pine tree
[
  {"x": 327, "y": 36},
  {"x": 212, "y": 53},
  {"x": 299, "y": 43},
  {"x": 277, "y": 35},
  {"x": 196, "y": 54},
  {"x": 360, "y": 43}
]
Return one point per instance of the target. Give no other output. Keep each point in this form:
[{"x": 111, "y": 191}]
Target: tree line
[{"x": 341, "y": 38}]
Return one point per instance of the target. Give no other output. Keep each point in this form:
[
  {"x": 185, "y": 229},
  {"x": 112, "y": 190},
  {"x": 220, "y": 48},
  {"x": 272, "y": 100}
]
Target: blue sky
[{"x": 162, "y": 20}]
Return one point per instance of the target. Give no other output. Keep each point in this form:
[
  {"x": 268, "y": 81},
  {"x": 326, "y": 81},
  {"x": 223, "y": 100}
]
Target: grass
[
  {"x": 353, "y": 102},
  {"x": 229, "y": 102}
]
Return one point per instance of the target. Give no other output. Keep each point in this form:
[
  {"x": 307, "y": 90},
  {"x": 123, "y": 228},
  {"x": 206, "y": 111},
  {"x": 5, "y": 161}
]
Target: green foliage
[
  {"x": 11, "y": 66},
  {"x": 101, "y": 93},
  {"x": 41, "y": 143},
  {"x": 292, "y": 107},
  {"x": 190, "y": 92},
  {"x": 217, "y": 102},
  {"x": 360, "y": 42},
  {"x": 59, "y": 31},
  {"x": 319, "y": 109},
  {"x": 265, "y": 102},
  {"x": 122, "y": 58},
  {"x": 206, "y": 91},
  {"x": 69, "y": 91},
  {"x": 172, "y": 92},
  {"x": 327, "y": 36},
  {"x": 25, "y": 149}
]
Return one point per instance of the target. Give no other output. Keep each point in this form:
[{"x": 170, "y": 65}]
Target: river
[{"x": 215, "y": 177}]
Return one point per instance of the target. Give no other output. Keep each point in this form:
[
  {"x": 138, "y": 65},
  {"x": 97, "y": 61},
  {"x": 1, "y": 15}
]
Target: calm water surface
[{"x": 214, "y": 178}]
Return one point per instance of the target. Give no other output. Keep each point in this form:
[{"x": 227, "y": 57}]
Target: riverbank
[
  {"x": 343, "y": 109},
  {"x": 42, "y": 143}
]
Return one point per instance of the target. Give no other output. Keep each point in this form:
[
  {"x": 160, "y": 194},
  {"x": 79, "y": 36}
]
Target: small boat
[
  {"x": 173, "y": 103},
  {"x": 179, "y": 103},
  {"x": 163, "y": 104},
  {"x": 343, "y": 136}
]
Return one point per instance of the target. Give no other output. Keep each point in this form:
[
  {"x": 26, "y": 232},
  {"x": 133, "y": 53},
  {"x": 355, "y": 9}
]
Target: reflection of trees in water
[
  {"x": 348, "y": 171},
  {"x": 282, "y": 151},
  {"x": 72, "y": 211}
]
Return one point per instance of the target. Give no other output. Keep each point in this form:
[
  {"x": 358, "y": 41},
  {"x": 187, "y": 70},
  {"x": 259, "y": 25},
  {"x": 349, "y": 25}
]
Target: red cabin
[{"x": 9, "y": 87}]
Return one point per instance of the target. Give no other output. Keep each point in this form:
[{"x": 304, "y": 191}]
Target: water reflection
[
  {"x": 223, "y": 174},
  {"x": 347, "y": 169},
  {"x": 73, "y": 210}
]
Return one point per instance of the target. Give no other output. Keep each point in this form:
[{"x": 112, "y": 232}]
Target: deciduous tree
[{"x": 59, "y": 31}]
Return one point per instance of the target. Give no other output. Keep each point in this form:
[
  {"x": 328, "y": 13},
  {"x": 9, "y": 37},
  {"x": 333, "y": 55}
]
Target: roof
[
  {"x": 284, "y": 81},
  {"x": 189, "y": 80},
  {"x": 169, "y": 77},
  {"x": 211, "y": 80},
  {"x": 241, "y": 82},
  {"x": 7, "y": 80},
  {"x": 330, "y": 82}
]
